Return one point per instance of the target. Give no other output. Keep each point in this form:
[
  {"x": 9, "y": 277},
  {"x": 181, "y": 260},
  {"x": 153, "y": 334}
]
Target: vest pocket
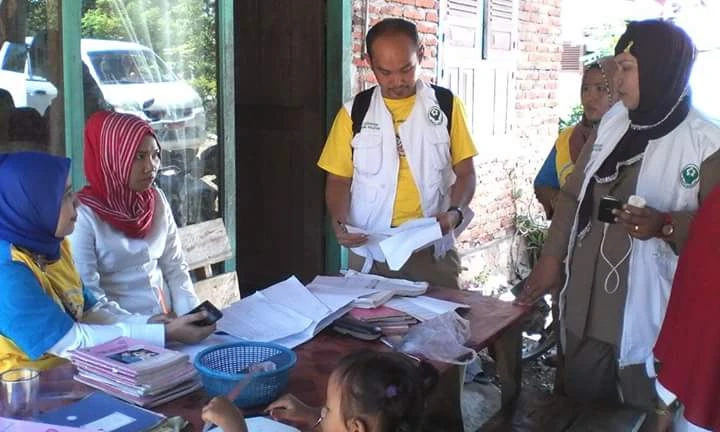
[
  {"x": 363, "y": 198},
  {"x": 438, "y": 191},
  {"x": 367, "y": 153},
  {"x": 440, "y": 144},
  {"x": 666, "y": 261}
]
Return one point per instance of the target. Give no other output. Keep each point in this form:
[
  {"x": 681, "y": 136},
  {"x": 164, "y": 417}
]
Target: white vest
[
  {"x": 667, "y": 182},
  {"x": 425, "y": 139}
]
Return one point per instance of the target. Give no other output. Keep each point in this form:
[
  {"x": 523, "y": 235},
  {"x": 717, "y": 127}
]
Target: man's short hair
[{"x": 391, "y": 26}]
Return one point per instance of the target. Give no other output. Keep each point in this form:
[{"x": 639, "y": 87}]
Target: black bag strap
[
  {"x": 361, "y": 105},
  {"x": 445, "y": 100}
]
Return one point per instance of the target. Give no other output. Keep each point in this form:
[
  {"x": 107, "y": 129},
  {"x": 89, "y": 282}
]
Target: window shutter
[
  {"x": 464, "y": 8},
  {"x": 570, "y": 60},
  {"x": 464, "y": 23},
  {"x": 500, "y": 28}
]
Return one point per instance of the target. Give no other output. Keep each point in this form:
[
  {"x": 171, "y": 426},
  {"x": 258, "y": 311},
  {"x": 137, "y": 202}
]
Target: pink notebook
[
  {"x": 146, "y": 402},
  {"x": 178, "y": 373},
  {"x": 129, "y": 357}
]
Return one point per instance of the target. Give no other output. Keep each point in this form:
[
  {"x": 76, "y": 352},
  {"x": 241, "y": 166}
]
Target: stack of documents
[
  {"x": 367, "y": 290},
  {"x": 395, "y": 245},
  {"x": 290, "y": 314},
  {"x": 286, "y": 313},
  {"x": 389, "y": 321},
  {"x": 424, "y": 308},
  {"x": 136, "y": 372}
]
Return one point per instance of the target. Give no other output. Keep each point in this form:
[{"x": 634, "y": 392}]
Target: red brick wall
[
  {"x": 538, "y": 72},
  {"x": 424, "y": 13}
]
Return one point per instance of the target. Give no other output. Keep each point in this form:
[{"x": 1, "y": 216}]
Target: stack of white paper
[
  {"x": 395, "y": 245},
  {"x": 285, "y": 313},
  {"x": 366, "y": 290},
  {"x": 424, "y": 308},
  {"x": 256, "y": 318}
]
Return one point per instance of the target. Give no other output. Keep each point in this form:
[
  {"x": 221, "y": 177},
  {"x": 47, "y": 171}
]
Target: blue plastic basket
[{"x": 220, "y": 368}]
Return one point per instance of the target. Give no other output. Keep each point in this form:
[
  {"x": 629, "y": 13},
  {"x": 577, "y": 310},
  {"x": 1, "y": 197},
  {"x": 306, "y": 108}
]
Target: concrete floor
[{"x": 479, "y": 403}]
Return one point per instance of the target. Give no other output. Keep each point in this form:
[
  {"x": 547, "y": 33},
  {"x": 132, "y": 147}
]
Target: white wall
[{"x": 568, "y": 92}]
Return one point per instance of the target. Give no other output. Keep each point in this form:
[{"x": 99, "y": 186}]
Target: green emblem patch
[
  {"x": 690, "y": 175},
  {"x": 435, "y": 115}
]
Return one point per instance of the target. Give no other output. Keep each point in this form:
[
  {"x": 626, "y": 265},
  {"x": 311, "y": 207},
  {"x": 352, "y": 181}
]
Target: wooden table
[{"x": 494, "y": 324}]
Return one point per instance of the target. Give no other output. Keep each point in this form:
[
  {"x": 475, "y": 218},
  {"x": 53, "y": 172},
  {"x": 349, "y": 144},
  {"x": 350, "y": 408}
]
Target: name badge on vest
[{"x": 435, "y": 115}]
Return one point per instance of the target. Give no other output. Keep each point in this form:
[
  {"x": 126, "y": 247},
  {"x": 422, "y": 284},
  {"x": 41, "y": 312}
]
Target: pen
[
  {"x": 234, "y": 393},
  {"x": 161, "y": 299}
]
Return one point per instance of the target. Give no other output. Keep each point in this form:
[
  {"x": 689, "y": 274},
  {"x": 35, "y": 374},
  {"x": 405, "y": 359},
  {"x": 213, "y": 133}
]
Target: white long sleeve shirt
[
  {"x": 126, "y": 270},
  {"x": 104, "y": 322}
]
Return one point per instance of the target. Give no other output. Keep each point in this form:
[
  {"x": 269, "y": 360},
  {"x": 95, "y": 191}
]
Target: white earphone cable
[{"x": 613, "y": 267}]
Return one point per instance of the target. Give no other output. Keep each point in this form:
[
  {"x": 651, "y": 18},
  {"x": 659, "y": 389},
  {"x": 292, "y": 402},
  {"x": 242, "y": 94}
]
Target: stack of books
[
  {"x": 136, "y": 372},
  {"x": 368, "y": 290},
  {"x": 390, "y": 321}
]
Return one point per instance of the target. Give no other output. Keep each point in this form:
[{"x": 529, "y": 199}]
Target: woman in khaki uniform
[{"x": 641, "y": 149}]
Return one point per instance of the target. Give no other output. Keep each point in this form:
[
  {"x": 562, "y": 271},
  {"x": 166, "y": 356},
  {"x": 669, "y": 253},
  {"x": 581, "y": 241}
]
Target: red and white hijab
[{"x": 111, "y": 140}]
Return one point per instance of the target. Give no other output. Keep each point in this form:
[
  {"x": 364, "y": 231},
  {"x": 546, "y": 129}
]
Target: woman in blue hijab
[
  {"x": 32, "y": 193},
  {"x": 44, "y": 310}
]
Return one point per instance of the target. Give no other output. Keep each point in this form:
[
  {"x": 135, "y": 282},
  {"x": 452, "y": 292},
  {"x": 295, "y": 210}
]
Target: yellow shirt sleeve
[
  {"x": 461, "y": 141},
  {"x": 336, "y": 157}
]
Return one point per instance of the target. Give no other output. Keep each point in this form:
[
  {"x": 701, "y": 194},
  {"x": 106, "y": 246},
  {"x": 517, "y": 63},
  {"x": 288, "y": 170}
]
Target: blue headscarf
[{"x": 32, "y": 186}]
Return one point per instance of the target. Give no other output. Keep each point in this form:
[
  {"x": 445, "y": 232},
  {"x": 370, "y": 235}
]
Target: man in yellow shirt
[{"x": 405, "y": 160}]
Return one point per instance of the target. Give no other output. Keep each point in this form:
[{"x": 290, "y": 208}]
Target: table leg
[
  {"x": 444, "y": 404},
  {"x": 507, "y": 352}
]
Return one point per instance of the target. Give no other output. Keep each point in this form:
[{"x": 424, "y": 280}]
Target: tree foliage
[{"x": 572, "y": 118}]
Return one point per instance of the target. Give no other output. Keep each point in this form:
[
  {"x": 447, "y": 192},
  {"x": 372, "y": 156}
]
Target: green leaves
[{"x": 572, "y": 118}]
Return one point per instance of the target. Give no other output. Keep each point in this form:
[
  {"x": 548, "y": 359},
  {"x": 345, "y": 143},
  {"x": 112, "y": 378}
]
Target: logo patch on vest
[
  {"x": 690, "y": 176},
  {"x": 435, "y": 115}
]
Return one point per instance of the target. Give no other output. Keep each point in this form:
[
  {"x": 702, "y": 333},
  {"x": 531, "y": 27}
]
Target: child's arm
[
  {"x": 221, "y": 412},
  {"x": 289, "y": 408}
]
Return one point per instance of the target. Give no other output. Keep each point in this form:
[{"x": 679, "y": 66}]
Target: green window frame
[{"x": 338, "y": 63}]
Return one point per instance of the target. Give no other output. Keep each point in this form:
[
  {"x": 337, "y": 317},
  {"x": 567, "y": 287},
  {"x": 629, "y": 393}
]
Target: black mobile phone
[
  {"x": 213, "y": 313},
  {"x": 607, "y": 205}
]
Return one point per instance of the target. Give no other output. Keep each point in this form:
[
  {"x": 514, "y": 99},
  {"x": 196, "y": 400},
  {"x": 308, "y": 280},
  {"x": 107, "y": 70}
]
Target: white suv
[
  {"x": 16, "y": 76},
  {"x": 132, "y": 78},
  {"x": 135, "y": 80}
]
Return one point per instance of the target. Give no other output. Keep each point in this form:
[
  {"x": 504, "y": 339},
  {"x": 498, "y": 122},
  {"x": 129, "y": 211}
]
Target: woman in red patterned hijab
[
  {"x": 122, "y": 157},
  {"x": 126, "y": 243}
]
